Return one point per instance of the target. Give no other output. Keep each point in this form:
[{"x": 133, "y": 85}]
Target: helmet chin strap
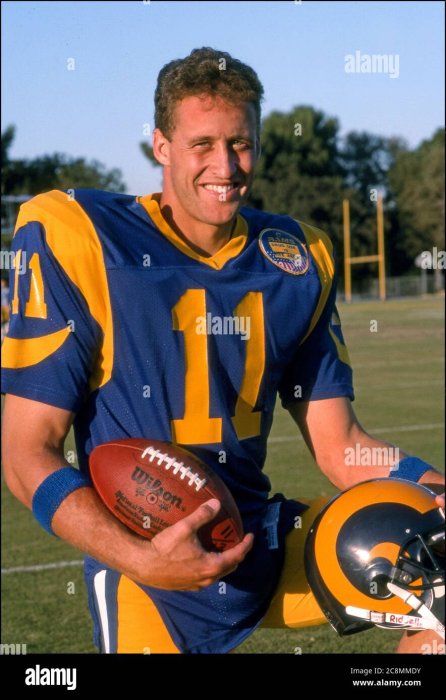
[
  {"x": 426, "y": 619},
  {"x": 418, "y": 605}
]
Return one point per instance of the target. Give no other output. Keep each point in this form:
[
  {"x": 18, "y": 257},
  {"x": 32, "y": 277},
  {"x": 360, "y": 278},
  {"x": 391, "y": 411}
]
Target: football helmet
[{"x": 375, "y": 556}]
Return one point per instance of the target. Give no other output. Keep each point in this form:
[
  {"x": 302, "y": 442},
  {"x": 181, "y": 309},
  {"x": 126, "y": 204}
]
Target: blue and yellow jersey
[{"x": 116, "y": 318}]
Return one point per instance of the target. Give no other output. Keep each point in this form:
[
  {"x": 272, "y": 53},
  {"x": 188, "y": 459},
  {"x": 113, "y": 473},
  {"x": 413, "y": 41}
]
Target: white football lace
[{"x": 177, "y": 467}]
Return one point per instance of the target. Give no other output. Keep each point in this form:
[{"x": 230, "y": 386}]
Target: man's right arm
[{"x": 173, "y": 560}]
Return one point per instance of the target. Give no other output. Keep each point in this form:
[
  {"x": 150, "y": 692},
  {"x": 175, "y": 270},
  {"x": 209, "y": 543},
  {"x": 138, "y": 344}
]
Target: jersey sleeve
[
  {"x": 51, "y": 350},
  {"x": 320, "y": 368}
]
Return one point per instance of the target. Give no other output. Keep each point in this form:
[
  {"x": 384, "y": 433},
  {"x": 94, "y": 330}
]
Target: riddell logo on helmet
[
  {"x": 402, "y": 620},
  {"x": 396, "y": 619}
]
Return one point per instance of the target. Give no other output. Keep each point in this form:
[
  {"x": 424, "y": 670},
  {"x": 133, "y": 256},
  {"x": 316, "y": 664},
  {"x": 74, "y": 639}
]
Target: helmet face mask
[
  {"x": 375, "y": 556},
  {"x": 429, "y": 554},
  {"x": 420, "y": 556}
]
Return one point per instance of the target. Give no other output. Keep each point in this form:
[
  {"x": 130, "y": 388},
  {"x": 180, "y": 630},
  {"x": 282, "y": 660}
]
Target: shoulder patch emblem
[{"x": 284, "y": 250}]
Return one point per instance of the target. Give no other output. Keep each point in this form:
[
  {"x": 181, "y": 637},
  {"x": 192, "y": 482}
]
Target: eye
[{"x": 241, "y": 145}]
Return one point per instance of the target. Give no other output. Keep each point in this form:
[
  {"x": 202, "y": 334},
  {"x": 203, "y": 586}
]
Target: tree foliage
[
  {"x": 299, "y": 172},
  {"x": 56, "y": 171},
  {"x": 417, "y": 183}
]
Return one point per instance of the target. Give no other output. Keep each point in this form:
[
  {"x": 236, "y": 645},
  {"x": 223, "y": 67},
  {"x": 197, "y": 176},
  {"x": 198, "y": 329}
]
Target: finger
[
  {"x": 215, "y": 566},
  {"x": 236, "y": 554},
  {"x": 224, "y": 563},
  {"x": 202, "y": 515},
  {"x": 245, "y": 545},
  {"x": 440, "y": 500}
]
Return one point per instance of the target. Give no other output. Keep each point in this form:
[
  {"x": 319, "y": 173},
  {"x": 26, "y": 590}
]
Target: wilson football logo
[{"x": 153, "y": 490}]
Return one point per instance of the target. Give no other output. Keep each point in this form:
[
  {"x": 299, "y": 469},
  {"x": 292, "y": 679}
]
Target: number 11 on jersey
[{"x": 196, "y": 427}]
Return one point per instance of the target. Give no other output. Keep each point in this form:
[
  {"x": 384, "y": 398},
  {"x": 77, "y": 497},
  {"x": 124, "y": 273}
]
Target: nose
[{"x": 224, "y": 161}]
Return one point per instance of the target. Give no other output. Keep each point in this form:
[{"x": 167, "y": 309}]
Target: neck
[{"x": 204, "y": 239}]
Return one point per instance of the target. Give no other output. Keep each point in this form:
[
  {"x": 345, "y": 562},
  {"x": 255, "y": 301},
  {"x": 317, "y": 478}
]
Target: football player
[{"x": 228, "y": 308}]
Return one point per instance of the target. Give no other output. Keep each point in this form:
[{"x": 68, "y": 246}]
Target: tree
[
  {"x": 148, "y": 152},
  {"x": 367, "y": 159},
  {"x": 417, "y": 184},
  {"x": 56, "y": 171},
  {"x": 299, "y": 171},
  {"x": 7, "y": 139}
]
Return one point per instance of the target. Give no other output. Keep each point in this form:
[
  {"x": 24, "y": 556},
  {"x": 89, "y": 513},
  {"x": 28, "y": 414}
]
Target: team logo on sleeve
[{"x": 284, "y": 250}]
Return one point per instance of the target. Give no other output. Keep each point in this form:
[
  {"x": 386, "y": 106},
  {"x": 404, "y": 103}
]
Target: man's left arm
[{"x": 345, "y": 452}]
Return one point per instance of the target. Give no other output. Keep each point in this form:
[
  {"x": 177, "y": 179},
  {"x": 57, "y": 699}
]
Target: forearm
[
  {"x": 31, "y": 456},
  {"x": 84, "y": 522},
  {"x": 81, "y": 519},
  {"x": 433, "y": 480},
  {"x": 364, "y": 457},
  {"x": 360, "y": 458},
  {"x": 173, "y": 560},
  {"x": 355, "y": 475},
  {"x": 343, "y": 450}
]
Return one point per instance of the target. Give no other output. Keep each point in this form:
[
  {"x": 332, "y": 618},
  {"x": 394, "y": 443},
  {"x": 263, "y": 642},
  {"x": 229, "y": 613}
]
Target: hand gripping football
[{"x": 149, "y": 485}]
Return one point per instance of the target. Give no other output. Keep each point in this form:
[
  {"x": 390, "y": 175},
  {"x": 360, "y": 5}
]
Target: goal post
[{"x": 379, "y": 257}]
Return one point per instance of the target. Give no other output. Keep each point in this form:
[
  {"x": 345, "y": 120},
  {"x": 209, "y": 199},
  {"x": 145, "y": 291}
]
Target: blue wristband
[
  {"x": 410, "y": 469},
  {"x": 53, "y": 490}
]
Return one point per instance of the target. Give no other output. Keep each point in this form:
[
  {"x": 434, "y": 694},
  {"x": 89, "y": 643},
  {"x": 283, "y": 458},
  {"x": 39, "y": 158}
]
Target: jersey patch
[{"x": 284, "y": 250}]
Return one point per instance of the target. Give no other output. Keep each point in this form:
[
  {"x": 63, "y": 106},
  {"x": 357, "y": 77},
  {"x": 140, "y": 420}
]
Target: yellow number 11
[
  {"x": 35, "y": 306},
  {"x": 196, "y": 427}
]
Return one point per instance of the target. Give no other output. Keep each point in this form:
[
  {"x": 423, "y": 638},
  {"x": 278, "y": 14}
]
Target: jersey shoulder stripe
[
  {"x": 74, "y": 242},
  {"x": 321, "y": 250}
]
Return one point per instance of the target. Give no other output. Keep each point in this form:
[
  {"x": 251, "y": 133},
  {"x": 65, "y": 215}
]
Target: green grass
[{"x": 398, "y": 380}]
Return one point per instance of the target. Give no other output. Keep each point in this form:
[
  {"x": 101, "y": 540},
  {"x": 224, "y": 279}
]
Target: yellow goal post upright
[{"x": 379, "y": 257}]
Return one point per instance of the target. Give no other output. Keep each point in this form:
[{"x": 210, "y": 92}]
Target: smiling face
[{"x": 208, "y": 163}]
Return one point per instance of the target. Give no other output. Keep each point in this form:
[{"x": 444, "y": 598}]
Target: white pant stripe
[{"x": 99, "y": 589}]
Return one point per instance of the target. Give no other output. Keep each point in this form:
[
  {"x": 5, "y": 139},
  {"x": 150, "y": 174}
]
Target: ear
[
  {"x": 258, "y": 148},
  {"x": 161, "y": 147}
]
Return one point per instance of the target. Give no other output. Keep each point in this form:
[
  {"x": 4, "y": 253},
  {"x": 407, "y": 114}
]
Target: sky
[{"x": 98, "y": 105}]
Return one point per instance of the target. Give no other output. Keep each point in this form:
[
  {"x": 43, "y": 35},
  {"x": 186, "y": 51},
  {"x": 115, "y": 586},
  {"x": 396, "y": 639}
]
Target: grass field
[{"x": 399, "y": 397}]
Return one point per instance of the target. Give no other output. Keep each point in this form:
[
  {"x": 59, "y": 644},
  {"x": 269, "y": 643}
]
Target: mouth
[{"x": 224, "y": 193}]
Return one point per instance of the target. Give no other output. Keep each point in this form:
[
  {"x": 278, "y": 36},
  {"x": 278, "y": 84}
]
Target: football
[{"x": 149, "y": 485}]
